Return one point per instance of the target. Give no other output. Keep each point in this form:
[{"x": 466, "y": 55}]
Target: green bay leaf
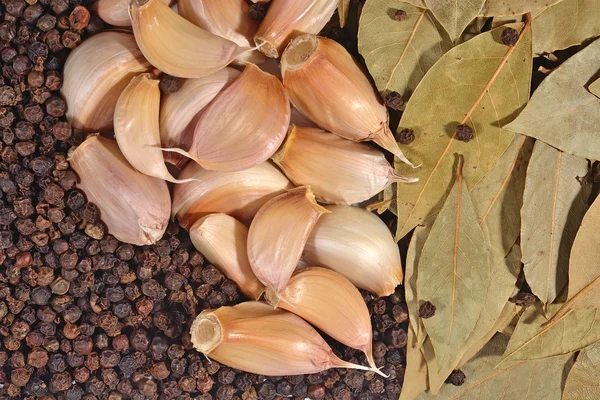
[
  {"x": 582, "y": 382},
  {"x": 480, "y": 82},
  {"x": 554, "y": 205},
  {"x": 498, "y": 8},
  {"x": 454, "y": 15}
]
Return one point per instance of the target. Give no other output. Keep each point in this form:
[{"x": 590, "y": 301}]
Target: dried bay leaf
[
  {"x": 498, "y": 8},
  {"x": 582, "y": 382},
  {"x": 594, "y": 88},
  {"x": 454, "y": 15},
  {"x": 415, "y": 374},
  {"x": 561, "y": 111},
  {"x": 398, "y": 54},
  {"x": 565, "y": 24},
  {"x": 553, "y": 207},
  {"x": 531, "y": 380},
  {"x": 416, "y": 3},
  {"x": 343, "y": 8},
  {"x": 452, "y": 271},
  {"x": 480, "y": 82}
]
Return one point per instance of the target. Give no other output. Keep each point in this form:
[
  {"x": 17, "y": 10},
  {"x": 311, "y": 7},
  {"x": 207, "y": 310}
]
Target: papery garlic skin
[
  {"x": 226, "y": 18},
  {"x": 95, "y": 74},
  {"x": 222, "y": 240},
  {"x": 278, "y": 233},
  {"x": 331, "y": 303},
  {"x": 114, "y": 12},
  {"x": 239, "y": 194},
  {"x": 326, "y": 84},
  {"x": 256, "y": 338},
  {"x": 134, "y": 207},
  {"x": 244, "y": 125},
  {"x": 176, "y": 46},
  {"x": 338, "y": 170},
  {"x": 358, "y": 245},
  {"x": 180, "y": 111},
  {"x": 287, "y": 19}
]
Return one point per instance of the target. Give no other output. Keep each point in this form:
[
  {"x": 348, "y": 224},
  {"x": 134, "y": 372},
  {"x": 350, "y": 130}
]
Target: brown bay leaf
[
  {"x": 454, "y": 15},
  {"x": 565, "y": 24},
  {"x": 398, "y": 54},
  {"x": 554, "y": 205},
  {"x": 482, "y": 83},
  {"x": 562, "y": 112},
  {"x": 531, "y": 380},
  {"x": 498, "y": 8},
  {"x": 582, "y": 382},
  {"x": 452, "y": 270},
  {"x": 343, "y": 8}
]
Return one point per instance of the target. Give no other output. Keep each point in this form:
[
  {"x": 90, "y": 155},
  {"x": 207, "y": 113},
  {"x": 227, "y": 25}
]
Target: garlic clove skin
[
  {"x": 327, "y": 85},
  {"x": 114, "y": 12},
  {"x": 233, "y": 133},
  {"x": 338, "y": 170},
  {"x": 225, "y": 18},
  {"x": 176, "y": 46},
  {"x": 222, "y": 240},
  {"x": 180, "y": 111},
  {"x": 134, "y": 207},
  {"x": 95, "y": 74},
  {"x": 278, "y": 233},
  {"x": 287, "y": 19},
  {"x": 256, "y": 338},
  {"x": 358, "y": 245},
  {"x": 331, "y": 303},
  {"x": 239, "y": 194}
]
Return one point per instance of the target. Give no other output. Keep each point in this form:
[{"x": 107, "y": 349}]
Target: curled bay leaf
[
  {"x": 582, "y": 382},
  {"x": 454, "y": 15},
  {"x": 554, "y": 205},
  {"x": 398, "y": 54},
  {"x": 562, "y": 112},
  {"x": 482, "y": 83},
  {"x": 496, "y": 8}
]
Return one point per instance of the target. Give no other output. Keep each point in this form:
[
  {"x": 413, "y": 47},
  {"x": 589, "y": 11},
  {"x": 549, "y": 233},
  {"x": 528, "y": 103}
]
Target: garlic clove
[
  {"x": 225, "y": 18},
  {"x": 278, "y": 233},
  {"x": 338, "y": 170},
  {"x": 136, "y": 127},
  {"x": 114, "y": 12},
  {"x": 358, "y": 245},
  {"x": 239, "y": 194},
  {"x": 287, "y": 19},
  {"x": 176, "y": 46},
  {"x": 233, "y": 133},
  {"x": 326, "y": 84},
  {"x": 134, "y": 207},
  {"x": 222, "y": 240},
  {"x": 331, "y": 303},
  {"x": 180, "y": 111},
  {"x": 256, "y": 338},
  {"x": 95, "y": 74}
]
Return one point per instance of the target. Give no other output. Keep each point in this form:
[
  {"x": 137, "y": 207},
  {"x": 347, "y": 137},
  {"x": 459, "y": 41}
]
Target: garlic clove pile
[
  {"x": 331, "y": 303},
  {"x": 134, "y": 207},
  {"x": 287, "y": 19},
  {"x": 338, "y": 170},
  {"x": 95, "y": 75},
  {"x": 278, "y": 233},
  {"x": 239, "y": 194},
  {"x": 222, "y": 240},
  {"x": 176, "y": 46},
  {"x": 244, "y": 125},
  {"x": 358, "y": 245},
  {"x": 226, "y": 18},
  {"x": 316, "y": 68},
  {"x": 256, "y": 338}
]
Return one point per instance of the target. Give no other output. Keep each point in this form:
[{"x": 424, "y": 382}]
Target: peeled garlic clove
[
  {"x": 114, "y": 12},
  {"x": 222, "y": 240},
  {"x": 226, "y": 18},
  {"x": 326, "y": 84},
  {"x": 239, "y": 194},
  {"x": 176, "y": 46},
  {"x": 234, "y": 133},
  {"x": 278, "y": 233},
  {"x": 134, "y": 207},
  {"x": 358, "y": 245},
  {"x": 180, "y": 111},
  {"x": 256, "y": 338},
  {"x": 338, "y": 170},
  {"x": 95, "y": 75},
  {"x": 331, "y": 303},
  {"x": 287, "y": 19}
]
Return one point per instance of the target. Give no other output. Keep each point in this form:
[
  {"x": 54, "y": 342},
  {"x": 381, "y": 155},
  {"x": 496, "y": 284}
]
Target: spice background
[{"x": 83, "y": 316}]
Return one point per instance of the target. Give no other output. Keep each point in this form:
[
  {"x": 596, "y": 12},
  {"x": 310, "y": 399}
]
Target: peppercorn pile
[{"x": 83, "y": 316}]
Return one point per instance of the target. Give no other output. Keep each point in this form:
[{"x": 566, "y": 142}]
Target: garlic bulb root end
[
  {"x": 265, "y": 47},
  {"x": 206, "y": 333},
  {"x": 298, "y": 52}
]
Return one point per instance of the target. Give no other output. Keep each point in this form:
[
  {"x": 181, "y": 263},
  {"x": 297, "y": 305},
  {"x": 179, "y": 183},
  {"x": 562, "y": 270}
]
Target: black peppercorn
[
  {"x": 427, "y": 310},
  {"x": 510, "y": 36},
  {"x": 394, "y": 100},
  {"x": 464, "y": 133},
  {"x": 406, "y": 136},
  {"x": 400, "y": 15},
  {"x": 457, "y": 377}
]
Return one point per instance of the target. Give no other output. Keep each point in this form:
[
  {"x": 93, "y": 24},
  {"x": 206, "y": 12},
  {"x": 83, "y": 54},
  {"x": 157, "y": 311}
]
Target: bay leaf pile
[{"x": 276, "y": 140}]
